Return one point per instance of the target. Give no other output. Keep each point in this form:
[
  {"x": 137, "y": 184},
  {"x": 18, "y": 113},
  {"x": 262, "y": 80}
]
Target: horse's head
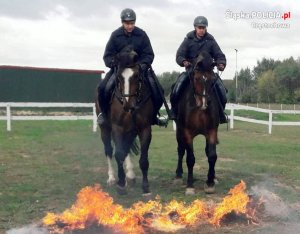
[
  {"x": 202, "y": 76},
  {"x": 128, "y": 78},
  {"x": 127, "y": 57}
]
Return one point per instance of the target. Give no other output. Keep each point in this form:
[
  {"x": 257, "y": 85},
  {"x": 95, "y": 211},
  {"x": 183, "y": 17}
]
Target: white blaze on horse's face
[
  {"x": 204, "y": 103},
  {"x": 200, "y": 92},
  {"x": 127, "y": 74}
]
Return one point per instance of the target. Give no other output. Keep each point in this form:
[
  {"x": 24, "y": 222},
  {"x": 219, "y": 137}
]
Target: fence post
[
  {"x": 231, "y": 117},
  {"x": 270, "y": 121},
  {"x": 8, "y": 116},
  {"x": 94, "y": 119}
]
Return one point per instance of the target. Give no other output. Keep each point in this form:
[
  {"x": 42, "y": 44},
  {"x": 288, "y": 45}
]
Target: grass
[{"x": 43, "y": 164}]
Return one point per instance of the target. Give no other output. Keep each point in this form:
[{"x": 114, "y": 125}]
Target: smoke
[
  {"x": 278, "y": 216},
  {"x": 35, "y": 229},
  {"x": 29, "y": 229},
  {"x": 273, "y": 204}
]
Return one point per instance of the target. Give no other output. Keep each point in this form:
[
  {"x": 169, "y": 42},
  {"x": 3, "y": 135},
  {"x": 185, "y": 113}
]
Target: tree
[
  {"x": 267, "y": 87},
  {"x": 263, "y": 66},
  {"x": 245, "y": 81},
  {"x": 166, "y": 80},
  {"x": 288, "y": 76}
]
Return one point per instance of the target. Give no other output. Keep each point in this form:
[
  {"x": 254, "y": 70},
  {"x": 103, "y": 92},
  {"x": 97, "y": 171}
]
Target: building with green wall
[{"x": 35, "y": 84}]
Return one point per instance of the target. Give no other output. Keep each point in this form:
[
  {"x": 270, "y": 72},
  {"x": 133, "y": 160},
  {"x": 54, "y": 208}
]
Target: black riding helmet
[
  {"x": 200, "y": 21},
  {"x": 128, "y": 15}
]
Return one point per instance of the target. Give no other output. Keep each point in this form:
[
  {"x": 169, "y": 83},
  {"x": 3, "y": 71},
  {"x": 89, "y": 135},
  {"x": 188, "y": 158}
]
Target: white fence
[
  {"x": 9, "y": 117},
  {"x": 270, "y": 122},
  {"x": 232, "y": 107}
]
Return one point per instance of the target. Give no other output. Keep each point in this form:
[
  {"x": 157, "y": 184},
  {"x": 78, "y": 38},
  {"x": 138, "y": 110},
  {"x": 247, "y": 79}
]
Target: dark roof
[{"x": 9, "y": 67}]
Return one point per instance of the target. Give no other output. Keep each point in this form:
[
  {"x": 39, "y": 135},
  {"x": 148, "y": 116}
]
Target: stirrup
[
  {"x": 101, "y": 118},
  {"x": 162, "y": 122},
  {"x": 223, "y": 118}
]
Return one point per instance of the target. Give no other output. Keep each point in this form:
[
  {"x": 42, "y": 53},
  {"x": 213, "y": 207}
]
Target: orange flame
[
  {"x": 237, "y": 201},
  {"x": 93, "y": 206}
]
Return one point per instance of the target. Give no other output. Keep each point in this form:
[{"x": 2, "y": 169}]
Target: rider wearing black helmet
[
  {"x": 196, "y": 41},
  {"x": 127, "y": 34}
]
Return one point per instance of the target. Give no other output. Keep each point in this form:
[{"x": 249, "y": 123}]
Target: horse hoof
[
  {"x": 178, "y": 181},
  {"x": 121, "y": 190},
  {"x": 111, "y": 182},
  {"x": 131, "y": 182},
  {"x": 209, "y": 189},
  {"x": 216, "y": 181},
  {"x": 190, "y": 191},
  {"x": 147, "y": 194},
  {"x": 147, "y": 197}
]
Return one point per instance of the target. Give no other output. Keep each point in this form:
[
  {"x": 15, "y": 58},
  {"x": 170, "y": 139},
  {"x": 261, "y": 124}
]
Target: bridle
[
  {"x": 207, "y": 90},
  {"x": 121, "y": 93}
]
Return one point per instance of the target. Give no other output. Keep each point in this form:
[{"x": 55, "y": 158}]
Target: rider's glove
[
  {"x": 186, "y": 63},
  {"x": 113, "y": 63},
  {"x": 144, "y": 67},
  {"x": 221, "y": 67}
]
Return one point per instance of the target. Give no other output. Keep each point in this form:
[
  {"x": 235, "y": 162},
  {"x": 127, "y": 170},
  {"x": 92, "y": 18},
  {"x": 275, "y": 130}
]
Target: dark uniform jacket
[
  {"x": 138, "y": 39},
  {"x": 192, "y": 46}
]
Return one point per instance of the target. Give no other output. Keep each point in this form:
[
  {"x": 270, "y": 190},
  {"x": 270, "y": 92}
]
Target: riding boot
[
  {"x": 221, "y": 91},
  {"x": 223, "y": 117},
  {"x": 157, "y": 98},
  {"x": 104, "y": 93},
  {"x": 172, "y": 114},
  {"x": 176, "y": 91}
]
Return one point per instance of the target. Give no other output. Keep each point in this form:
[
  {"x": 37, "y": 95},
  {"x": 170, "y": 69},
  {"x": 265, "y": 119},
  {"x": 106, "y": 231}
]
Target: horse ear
[
  {"x": 207, "y": 61},
  {"x": 198, "y": 61}
]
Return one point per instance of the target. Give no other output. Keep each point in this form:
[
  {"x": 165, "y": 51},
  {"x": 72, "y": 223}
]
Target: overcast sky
[{"x": 73, "y": 33}]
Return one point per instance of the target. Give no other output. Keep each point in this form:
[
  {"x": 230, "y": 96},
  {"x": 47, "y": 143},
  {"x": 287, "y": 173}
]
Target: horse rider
[
  {"x": 196, "y": 41},
  {"x": 128, "y": 34}
]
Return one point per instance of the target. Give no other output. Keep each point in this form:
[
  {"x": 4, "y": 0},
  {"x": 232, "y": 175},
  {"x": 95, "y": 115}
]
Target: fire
[
  {"x": 93, "y": 206},
  {"x": 237, "y": 201}
]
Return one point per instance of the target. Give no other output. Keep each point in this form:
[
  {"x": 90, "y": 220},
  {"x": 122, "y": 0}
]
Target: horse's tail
[{"x": 134, "y": 148}]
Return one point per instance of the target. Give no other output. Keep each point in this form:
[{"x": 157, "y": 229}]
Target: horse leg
[
  {"x": 120, "y": 155},
  {"x": 111, "y": 175},
  {"x": 145, "y": 137},
  {"x": 190, "y": 162},
  {"x": 120, "y": 158},
  {"x": 180, "y": 152},
  {"x": 130, "y": 175},
  {"x": 106, "y": 139},
  {"x": 210, "y": 150}
]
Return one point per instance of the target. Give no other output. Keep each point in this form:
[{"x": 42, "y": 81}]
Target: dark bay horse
[
  {"x": 198, "y": 114},
  {"x": 129, "y": 116}
]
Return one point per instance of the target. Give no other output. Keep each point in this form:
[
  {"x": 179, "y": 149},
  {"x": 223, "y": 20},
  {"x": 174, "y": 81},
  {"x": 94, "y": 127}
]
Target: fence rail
[
  {"x": 231, "y": 107},
  {"x": 9, "y": 117},
  {"x": 270, "y": 122}
]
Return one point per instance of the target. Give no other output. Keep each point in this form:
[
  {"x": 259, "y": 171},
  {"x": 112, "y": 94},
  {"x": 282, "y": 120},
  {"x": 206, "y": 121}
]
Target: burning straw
[{"x": 93, "y": 206}]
